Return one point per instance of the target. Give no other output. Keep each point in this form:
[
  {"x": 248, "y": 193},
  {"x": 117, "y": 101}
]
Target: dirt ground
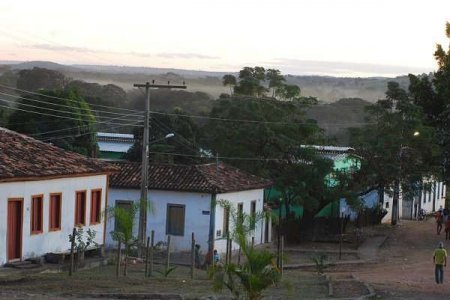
[{"x": 402, "y": 268}]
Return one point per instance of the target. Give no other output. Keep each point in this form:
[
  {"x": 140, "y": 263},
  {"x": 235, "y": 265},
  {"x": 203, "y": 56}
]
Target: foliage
[
  {"x": 75, "y": 127},
  {"x": 320, "y": 263},
  {"x": 256, "y": 273},
  {"x": 82, "y": 244},
  {"x": 432, "y": 94},
  {"x": 166, "y": 271},
  {"x": 186, "y": 131},
  {"x": 41, "y": 78},
  {"x": 269, "y": 127},
  {"x": 397, "y": 147}
]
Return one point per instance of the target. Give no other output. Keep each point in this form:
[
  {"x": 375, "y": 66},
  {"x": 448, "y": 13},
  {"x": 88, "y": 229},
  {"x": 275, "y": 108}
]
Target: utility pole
[{"x": 142, "y": 231}]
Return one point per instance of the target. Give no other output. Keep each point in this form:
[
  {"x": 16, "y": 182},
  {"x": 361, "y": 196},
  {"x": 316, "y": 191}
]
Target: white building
[
  {"x": 184, "y": 201},
  {"x": 44, "y": 192}
]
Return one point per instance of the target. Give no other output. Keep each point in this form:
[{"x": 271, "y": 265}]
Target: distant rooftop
[{"x": 334, "y": 149}]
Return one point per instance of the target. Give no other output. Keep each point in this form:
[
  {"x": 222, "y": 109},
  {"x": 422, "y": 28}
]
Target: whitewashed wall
[
  {"x": 244, "y": 197},
  {"x": 438, "y": 194},
  {"x": 197, "y": 216},
  {"x": 387, "y": 204},
  {"x": 54, "y": 241}
]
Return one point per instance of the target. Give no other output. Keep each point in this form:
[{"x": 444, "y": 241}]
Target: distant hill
[
  {"x": 335, "y": 118},
  {"x": 325, "y": 88}
]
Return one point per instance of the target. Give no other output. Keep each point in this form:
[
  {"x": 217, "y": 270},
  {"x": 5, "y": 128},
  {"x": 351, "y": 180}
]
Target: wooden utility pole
[{"x": 142, "y": 232}]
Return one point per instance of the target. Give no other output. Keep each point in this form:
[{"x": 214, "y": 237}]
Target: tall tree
[
  {"x": 250, "y": 82},
  {"x": 229, "y": 80},
  {"x": 397, "y": 147},
  {"x": 275, "y": 79}
]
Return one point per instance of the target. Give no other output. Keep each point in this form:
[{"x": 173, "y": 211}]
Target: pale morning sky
[{"x": 325, "y": 37}]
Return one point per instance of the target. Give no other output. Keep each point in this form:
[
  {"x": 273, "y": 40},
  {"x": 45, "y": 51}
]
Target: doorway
[{"x": 15, "y": 217}]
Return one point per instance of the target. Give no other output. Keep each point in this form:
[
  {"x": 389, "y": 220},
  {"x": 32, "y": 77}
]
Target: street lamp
[{"x": 397, "y": 182}]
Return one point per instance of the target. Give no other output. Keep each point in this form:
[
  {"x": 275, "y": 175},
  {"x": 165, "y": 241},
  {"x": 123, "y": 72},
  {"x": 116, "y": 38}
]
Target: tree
[
  {"x": 41, "y": 78},
  {"x": 275, "y": 80},
  {"x": 123, "y": 231},
  {"x": 229, "y": 80},
  {"x": 264, "y": 129},
  {"x": 187, "y": 133},
  {"x": 60, "y": 117},
  {"x": 250, "y": 82},
  {"x": 288, "y": 92},
  {"x": 394, "y": 157},
  {"x": 257, "y": 272},
  {"x": 433, "y": 95}
]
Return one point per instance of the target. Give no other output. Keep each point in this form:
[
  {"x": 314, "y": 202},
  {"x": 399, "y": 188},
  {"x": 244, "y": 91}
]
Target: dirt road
[{"x": 405, "y": 268}]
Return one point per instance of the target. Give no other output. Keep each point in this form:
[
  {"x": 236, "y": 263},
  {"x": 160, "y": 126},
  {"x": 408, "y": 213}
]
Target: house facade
[
  {"x": 185, "y": 200},
  {"x": 44, "y": 193}
]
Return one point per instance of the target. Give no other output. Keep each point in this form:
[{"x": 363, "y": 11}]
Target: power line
[
  {"x": 76, "y": 135},
  {"x": 60, "y": 98},
  {"x": 219, "y": 157},
  {"x": 62, "y": 105},
  {"x": 57, "y": 110},
  {"x": 49, "y": 115}
]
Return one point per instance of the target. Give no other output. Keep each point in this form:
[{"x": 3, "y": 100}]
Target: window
[
  {"x": 253, "y": 214},
  {"x": 175, "y": 219},
  {"x": 55, "y": 212},
  {"x": 126, "y": 206},
  {"x": 387, "y": 204},
  {"x": 226, "y": 221},
  {"x": 80, "y": 208},
  {"x": 96, "y": 206},
  {"x": 37, "y": 214},
  {"x": 240, "y": 213}
]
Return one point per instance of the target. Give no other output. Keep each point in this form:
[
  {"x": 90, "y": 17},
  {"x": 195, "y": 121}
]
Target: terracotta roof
[
  {"x": 196, "y": 178},
  {"x": 24, "y": 158}
]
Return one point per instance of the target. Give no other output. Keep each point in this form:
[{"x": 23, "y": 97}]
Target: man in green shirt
[{"x": 440, "y": 261}]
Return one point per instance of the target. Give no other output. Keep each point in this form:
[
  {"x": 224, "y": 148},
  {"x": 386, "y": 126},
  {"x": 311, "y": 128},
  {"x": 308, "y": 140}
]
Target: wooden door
[{"x": 14, "y": 229}]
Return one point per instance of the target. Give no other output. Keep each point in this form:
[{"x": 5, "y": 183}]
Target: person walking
[
  {"x": 439, "y": 219},
  {"x": 440, "y": 261}
]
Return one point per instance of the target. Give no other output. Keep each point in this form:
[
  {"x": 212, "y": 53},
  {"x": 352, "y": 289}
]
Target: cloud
[
  {"x": 335, "y": 68},
  {"x": 186, "y": 55},
  {"x": 61, "y": 48}
]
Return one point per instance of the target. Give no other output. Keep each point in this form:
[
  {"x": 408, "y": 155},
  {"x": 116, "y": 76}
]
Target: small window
[
  {"x": 96, "y": 206},
  {"x": 240, "y": 213},
  {"x": 253, "y": 214},
  {"x": 80, "y": 208},
  {"x": 175, "y": 219},
  {"x": 37, "y": 214},
  {"x": 55, "y": 212},
  {"x": 387, "y": 204},
  {"x": 226, "y": 221},
  {"x": 126, "y": 207}
]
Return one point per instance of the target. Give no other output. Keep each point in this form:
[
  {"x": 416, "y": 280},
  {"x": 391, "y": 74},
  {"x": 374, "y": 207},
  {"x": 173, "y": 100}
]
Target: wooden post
[
  {"x": 118, "y": 259},
  {"x": 239, "y": 257},
  {"x": 226, "y": 253},
  {"x": 72, "y": 246},
  {"x": 168, "y": 253},
  {"x": 152, "y": 242},
  {"x": 230, "y": 254},
  {"x": 282, "y": 255},
  {"x": 146, "y": 257},
  {"x": 340, "y": 236},
  {"x": 253, "y": 242},
  {"x": 192, "y": 256}
]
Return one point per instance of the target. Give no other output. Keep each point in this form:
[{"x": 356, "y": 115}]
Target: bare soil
[{"x": 402, "y": 268}]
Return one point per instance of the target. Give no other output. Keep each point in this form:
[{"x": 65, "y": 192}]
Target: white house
[
  {"x": 184, "y": 201},
  {"x": 44, "y": 192}
]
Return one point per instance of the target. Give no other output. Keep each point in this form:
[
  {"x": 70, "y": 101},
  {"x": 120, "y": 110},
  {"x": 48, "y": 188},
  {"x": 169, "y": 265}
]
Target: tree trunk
[{"x": 395, "y": 199}]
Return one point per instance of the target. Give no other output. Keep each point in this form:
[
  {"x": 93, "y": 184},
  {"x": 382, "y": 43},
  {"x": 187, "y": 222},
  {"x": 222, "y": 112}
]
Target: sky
[{"x": 318, "y": 37}]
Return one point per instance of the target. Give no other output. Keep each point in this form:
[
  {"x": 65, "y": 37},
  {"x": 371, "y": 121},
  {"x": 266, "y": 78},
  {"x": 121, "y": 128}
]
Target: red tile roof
[
  {"x": 24, "y": 158},
  {"x": 206, "y": 178}
]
